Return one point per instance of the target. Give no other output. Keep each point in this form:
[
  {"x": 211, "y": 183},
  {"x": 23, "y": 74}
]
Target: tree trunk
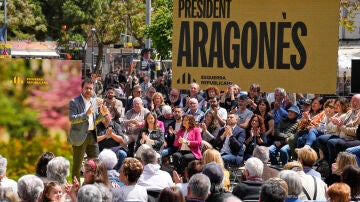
[{"x": 99, "y": 58}]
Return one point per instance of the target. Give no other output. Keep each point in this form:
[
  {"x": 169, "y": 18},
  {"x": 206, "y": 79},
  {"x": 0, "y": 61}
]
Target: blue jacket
[{"x": 236, "y": 142}]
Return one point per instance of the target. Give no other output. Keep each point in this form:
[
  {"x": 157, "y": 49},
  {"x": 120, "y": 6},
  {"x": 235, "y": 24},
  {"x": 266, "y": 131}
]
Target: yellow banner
[{"x": 289, "y": 44}]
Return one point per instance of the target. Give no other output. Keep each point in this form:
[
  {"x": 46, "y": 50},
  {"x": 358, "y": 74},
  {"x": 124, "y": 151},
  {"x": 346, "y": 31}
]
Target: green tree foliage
[
  {"x": 110, "y": 18},
  {"x": 25, "y": 20},
  {"x": 15, "y": 116},
  {"x": 53, "y": 12},
  {"x": 118, "y": 18},
  {"x": 133, "y": 16},
  {"x": 160, "y": 30}
]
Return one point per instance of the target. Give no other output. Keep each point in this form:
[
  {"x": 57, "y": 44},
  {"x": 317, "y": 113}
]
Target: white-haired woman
[
  {"x": 293, "y": 180},
  {"x": 30, "y": 188},
  {"x": 58, "y": 169},
  {"x": 4, "y": 181},
  {"x": 108, "y": 157}
]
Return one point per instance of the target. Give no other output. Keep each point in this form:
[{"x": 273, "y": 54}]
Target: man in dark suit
[
  {"x": 230, "y": 141},
  {"x": 83, "y": 114}
]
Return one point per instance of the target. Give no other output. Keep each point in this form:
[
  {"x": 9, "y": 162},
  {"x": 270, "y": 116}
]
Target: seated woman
[
  {"x": 210, "y": 91},
  {"x": 157, "y": 102},
  {"x": 351, "y": 176},
  {"x": 210, "y": 127},
  {"x": 308, "y": 121},
  {"x": 263, "y": 109},
  {"x": 109, "y": 158},
  {"x": 41, "y": 164},
  {"x": 53, "y": 193},
  {"x": 310, "y": 138},
  {"x": 188, "y": 140},
  {"x": 58, "y": 169},
  {"x": 254, "y": 95},
  {"x": 213, "y": 155},
  {"x": 341, "y": 107},
  {"x": 95, "y": 174},
  {"x": 255, "y": 135},
  {"x": 293, "y": 180},
  {"x": 343, "y": 159},
  {"x": 130, "y": 172},
  {"x": 307, "y": 157},
  {"x": 313, "y": 187},
  {"x": 150, "y": 135}
]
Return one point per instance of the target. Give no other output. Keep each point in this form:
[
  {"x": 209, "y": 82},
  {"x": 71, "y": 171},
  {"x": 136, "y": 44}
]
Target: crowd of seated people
[{"x": 219, "y": 130}]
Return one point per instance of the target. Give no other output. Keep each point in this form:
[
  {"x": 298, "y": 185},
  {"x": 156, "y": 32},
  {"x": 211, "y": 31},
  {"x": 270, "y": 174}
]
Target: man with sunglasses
[{"x": 136, "y": 92}]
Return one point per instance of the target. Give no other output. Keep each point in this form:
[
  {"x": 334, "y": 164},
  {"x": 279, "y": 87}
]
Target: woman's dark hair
[
  {"x": 42, "y": 163},
  {"x": 194, "y": 167},
  {"x": 261, "y": 123},
  {"x": 146, "y": 125},
  {"x": 99, "y": 169},
  {"x": 172, "y": 194},
  {"x": 192, "y": 122},
  {"x": 211, "y": 87},
  {"x": 47, "y": 189},
  {"x": 344, "y": 104},
  {"x": 214, "y": 122},
  {"x": 263, "y": 100},
  {"x": 351, "y": 176},
  {"x": 321, "y": 101}
]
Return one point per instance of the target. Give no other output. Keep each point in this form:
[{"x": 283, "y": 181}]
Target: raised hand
[
  {"x": 171, "y": 130},
  {"x": 203, "y": 127},
  {"x": 104, "y": 110},
  {"x": 177, "y": 178}
]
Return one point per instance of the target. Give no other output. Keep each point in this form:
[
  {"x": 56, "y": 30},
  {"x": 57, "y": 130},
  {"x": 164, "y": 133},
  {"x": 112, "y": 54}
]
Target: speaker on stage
[{"x": 355, "y": 76}]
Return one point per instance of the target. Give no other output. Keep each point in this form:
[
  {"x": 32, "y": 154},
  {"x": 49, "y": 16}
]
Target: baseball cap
[
  {"x": 214, "y": 171},
  {"x": 295, "y": 109}
]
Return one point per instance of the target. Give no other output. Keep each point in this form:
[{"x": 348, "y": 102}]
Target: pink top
[{"x": 194, "y": 137}]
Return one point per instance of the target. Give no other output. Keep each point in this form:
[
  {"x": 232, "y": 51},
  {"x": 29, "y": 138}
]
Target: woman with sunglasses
[
  {"x": 310, "y": 138},
  {"x": 95, "y": 172},
  {"x": 341, "y": 107}
]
